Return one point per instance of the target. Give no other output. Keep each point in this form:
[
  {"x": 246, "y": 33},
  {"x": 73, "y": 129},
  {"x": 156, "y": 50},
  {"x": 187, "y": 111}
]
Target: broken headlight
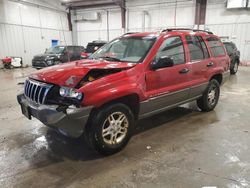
[{"x": 70, "y": 93}]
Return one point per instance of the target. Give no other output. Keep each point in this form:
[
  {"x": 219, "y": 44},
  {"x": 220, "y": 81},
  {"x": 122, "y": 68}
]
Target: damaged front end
[
  {"x": 95, "y": 74},
  {"x": 43, "y": 101},
  {"x": 60, "y": 106}
]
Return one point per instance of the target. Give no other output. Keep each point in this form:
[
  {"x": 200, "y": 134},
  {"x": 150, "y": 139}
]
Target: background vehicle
[
  {"x": 234, "y": 55},
  {"x": 56, "y": 55},
  {"x": 92, "y": 47},
  {"x": 12, "y": 62},
  {"x": 130, "y": 78}
]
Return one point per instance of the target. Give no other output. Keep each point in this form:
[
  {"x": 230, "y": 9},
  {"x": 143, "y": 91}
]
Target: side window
[
  {"x": 172, "y": 47},
  {"x": 78, "y": 50},
  {"x": 216, "y": 47},
  {"x": 203, "y": 45},
  {"x": 197, "y": 48},
  {"x": 70, "y": 50},
  {"x": 229, "y": 48}
]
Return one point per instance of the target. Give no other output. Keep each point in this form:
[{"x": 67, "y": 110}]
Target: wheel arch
[
  {"x": 131, "y": 100},
  {"x": 217, "y": 77}
]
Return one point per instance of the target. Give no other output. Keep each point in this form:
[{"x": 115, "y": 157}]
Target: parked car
[
  {"x": 92, "y": 47},
  {"x": 234, "y": 55},
  {"x": 56, "y": 55},
  {"x": 132, "y": 77}
]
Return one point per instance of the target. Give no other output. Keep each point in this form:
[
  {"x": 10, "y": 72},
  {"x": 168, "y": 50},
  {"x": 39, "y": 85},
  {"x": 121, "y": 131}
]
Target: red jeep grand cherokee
[{"x": 132, "y": 77}]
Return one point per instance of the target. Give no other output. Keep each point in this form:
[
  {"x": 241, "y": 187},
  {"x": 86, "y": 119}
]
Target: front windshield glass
[
  {"x": 55, "y": 50},
  {"x": 128, "y": 49}
]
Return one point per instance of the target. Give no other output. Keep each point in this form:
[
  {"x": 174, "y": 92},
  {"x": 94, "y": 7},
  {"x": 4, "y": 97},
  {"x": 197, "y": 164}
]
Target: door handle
[
  {"x": 184, "y": 71},
  {"x": 210, "y": 64}
]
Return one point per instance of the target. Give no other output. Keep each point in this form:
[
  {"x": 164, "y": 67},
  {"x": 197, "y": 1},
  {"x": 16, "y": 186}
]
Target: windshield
[
  {"x": 129, "y": 49},
  {"x": 55, "y": 50}
]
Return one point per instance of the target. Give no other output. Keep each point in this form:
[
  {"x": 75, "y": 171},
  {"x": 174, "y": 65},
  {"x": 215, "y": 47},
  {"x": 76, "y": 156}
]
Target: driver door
[{"x": 168, "y": 86}]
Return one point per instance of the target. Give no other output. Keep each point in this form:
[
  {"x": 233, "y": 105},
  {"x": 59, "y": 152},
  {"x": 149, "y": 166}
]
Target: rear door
[
  {"x": 168, "y": 86},
  {"x": 200, "y": 63}
]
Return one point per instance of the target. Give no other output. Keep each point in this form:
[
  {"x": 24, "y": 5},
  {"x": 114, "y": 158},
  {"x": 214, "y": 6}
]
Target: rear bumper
[
  {"x": 225, "y": 77},
  {"x": 70, "y": 123}
]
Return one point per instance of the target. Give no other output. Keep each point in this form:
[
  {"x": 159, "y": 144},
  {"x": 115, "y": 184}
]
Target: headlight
[{"x": 70, "y": 93}]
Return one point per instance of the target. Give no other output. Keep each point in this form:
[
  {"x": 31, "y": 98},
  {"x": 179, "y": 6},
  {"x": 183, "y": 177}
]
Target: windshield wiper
[{"x": 110, "y": 58}]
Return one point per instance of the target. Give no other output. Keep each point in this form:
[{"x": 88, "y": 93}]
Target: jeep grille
[{"x": 36, "y": 91}]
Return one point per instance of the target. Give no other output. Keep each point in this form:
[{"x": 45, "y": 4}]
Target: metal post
[
  {"x": 175, "y": 9},
  {"x": 200, "y": 12},
  {"x": 107, "y": 25},
  {"x": 123, "y": 15}
]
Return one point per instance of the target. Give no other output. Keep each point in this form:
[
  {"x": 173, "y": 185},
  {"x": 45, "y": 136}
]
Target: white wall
[
  {"x": 152, "y": 15},
  {"x": 97, "y": 30},
  {"x": 160, "y": 14},
  {"x": 142, "y": 15},
  {"x": 27, "y": 30},
  {"x": 231, "y": 23}
]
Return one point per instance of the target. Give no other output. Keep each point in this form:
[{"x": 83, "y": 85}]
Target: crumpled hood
[{"x": 69, "y": 74}]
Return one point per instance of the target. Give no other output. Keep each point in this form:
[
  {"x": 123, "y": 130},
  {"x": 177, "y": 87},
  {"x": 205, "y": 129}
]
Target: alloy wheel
[{"x": 115, "y": 128}]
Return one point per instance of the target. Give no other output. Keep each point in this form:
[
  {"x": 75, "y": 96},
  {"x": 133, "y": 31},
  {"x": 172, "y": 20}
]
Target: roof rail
[
  {"x": 130, "y": 33},
  {"x": 189, "y": 29}
]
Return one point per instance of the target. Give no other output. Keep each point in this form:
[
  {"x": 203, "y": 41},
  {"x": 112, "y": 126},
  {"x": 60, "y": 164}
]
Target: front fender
[{"x": 105, "y": 96}]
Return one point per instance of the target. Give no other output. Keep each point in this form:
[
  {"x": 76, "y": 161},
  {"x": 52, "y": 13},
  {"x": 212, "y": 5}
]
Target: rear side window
[
  {"x": 216, "y": 47},
  {"x": 78, "y": 49},
  {"x": 172, "y": 47},
  {"x": 229, "y": 48},
  {"x": 70, "y": 50},
  {"x": 197, "y": 48}
]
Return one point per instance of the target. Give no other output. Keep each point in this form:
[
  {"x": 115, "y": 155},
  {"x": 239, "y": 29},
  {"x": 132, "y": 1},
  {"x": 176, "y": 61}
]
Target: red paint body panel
[
  {"x": 136, "y": 78},
  {"x": 59, "y": 74}
]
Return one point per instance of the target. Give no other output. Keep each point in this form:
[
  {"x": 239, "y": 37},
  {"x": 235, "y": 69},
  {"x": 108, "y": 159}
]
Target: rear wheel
[
  {"x": 110, "y": 129},
  {"x": 235, "y": 67},
  {"x": 210, "y": 97}
]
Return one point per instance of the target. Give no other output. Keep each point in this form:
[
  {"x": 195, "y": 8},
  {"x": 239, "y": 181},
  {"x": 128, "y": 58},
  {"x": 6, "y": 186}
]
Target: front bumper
[
  {"x": 70, "y": 123},
  {"x": 39, "y": 64},
  {"x": 225, "y": 77}
]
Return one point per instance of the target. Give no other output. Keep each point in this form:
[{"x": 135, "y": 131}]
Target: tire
[
  {"x": 210, "y": 97},
  {"x": 106, "y": 138},
  {"x": 234, "y": 69}
]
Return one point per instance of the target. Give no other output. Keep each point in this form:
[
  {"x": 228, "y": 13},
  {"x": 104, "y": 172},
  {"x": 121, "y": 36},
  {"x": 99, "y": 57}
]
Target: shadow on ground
[{"x": 77, "y": 149}]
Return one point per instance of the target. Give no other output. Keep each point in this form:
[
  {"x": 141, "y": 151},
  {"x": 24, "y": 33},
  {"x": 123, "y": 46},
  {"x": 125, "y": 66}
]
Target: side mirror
[{"x": 162, "y": 62}]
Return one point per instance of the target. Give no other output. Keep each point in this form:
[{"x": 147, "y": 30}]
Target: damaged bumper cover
[{"x": 70, "y": 123}]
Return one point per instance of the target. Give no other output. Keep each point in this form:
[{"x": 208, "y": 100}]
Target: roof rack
[{"x": 195, "y": 30}]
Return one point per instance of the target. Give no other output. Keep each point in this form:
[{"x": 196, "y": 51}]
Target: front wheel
[
  {"x": 110, "y": 129},
  {"x": 210, "y": 97}
]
